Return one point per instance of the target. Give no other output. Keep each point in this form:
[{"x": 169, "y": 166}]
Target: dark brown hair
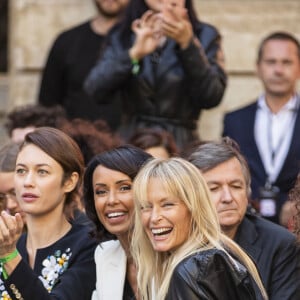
[
  {"x": 65, "y": 151},
  {"x": 278, "y": 35},
  {"x": 126, "y": 159},
  {"x": 146, "y": 138},
  {"x": 92, "y": 137},
  {"x": 34, "y": 115}
]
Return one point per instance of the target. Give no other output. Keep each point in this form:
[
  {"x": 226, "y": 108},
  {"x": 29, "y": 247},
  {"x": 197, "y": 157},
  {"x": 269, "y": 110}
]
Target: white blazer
[{"x": 111, "y": 261}]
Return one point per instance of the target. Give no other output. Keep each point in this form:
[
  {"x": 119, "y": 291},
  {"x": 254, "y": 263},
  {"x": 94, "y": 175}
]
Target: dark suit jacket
[
  {"x": 239, "y": 125},
  {"x": 274, "y": 250}
]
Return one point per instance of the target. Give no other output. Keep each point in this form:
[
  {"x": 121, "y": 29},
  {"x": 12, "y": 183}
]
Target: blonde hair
[{"x": 184, "y": 181}]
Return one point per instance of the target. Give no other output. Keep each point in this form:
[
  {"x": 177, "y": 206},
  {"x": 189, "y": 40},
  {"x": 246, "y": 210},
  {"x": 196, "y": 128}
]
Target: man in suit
[
  {"x": 267, "y": 130},
  {"x": 272, "y": 247}
]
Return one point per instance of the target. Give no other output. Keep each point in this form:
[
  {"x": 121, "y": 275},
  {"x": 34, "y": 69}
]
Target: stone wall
[{"x": 242, "y": 23}]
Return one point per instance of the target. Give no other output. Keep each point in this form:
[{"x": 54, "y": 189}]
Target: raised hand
[
  {"x": 177, "y": 26},
  {"x": 10, "y": 230},
  {"x": 148, "y": 34}
]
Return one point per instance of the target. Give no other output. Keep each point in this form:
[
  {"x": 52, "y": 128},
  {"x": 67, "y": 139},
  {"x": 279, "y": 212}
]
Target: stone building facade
[{"x": 33, "y": 25}]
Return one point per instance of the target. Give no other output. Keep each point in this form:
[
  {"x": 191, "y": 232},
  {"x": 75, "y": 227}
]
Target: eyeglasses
[{"x": 10, "y": 194}]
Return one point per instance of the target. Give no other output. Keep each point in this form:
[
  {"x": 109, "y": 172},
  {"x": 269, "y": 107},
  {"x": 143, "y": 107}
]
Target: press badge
[{"x": 268, "y": 196}]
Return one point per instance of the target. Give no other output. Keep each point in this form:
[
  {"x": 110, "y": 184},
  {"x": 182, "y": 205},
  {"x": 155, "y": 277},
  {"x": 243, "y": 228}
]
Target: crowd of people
[{"x": 107, "y": 191}]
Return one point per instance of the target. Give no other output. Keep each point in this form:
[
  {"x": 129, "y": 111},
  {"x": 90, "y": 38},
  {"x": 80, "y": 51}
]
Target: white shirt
[{"x": 273, "y": 133}]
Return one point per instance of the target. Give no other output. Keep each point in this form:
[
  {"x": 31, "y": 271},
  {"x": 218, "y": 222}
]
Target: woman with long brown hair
[{"x": 54, "y": 258}]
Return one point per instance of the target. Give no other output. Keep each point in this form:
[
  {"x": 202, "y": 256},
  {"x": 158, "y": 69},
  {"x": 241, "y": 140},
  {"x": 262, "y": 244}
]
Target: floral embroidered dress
[{"x": 64, "y": 270}]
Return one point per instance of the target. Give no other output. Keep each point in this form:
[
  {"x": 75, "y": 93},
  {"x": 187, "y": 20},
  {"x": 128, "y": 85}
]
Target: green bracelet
[
  {"x": 6, "y": 259},
  {"x": 135, "y": 66}
]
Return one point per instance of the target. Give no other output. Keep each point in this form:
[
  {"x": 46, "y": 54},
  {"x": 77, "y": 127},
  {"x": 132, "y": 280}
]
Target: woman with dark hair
[
  {"x": 54, "y": 258},
  {"x": 92, "y": 137},
  {"x": 108, "y": 200},
  {"x": 157, "y": 142},
  {"x": 165, "y": 61}
]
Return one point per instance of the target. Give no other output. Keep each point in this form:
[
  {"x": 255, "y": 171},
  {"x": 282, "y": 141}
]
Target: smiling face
[
  {"x": 165, "y": 218},
  {"x": 229, "y": 194},
  {"x": 113, "y": 200},
  {"x": 38, "y": 182}
]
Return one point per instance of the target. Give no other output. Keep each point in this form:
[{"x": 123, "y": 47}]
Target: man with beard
[
  {"x": 267, "y": 130},
  {"x": 71, "y": 57}
]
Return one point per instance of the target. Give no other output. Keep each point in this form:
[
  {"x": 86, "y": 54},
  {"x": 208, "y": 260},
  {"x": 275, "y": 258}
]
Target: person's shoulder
[
  {"x": 206, "y": 32},
  {"x": 80, "y": 236},
  {"x": 109, "y": 245},
  {"x": 115, "y": 34},
  {"x": 242, "y": 110},
  {"x": 268, "y": 230},
  {"x": 75, "y": 30},
  {"x": 207, "y": 27},
  {"x": 202, "y": 262},
  {"x": 67, "y": 37}
]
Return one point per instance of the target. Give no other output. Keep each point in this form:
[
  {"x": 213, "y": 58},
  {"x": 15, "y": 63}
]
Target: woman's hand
[
  {"x": 10, "y": 230},
  {"x": 177, "y": 26},
  {"x": 148, "y": 35}
]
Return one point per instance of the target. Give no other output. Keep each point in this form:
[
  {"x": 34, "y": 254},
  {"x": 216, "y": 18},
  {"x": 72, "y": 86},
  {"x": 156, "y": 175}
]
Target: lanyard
[{"x": 274, "y": 151}]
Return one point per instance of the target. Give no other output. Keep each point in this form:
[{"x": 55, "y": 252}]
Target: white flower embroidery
[
  {"x": 3, "y": 293},
  {"x": 54, "y": 266},
  {"x": 5, "y": 296}
]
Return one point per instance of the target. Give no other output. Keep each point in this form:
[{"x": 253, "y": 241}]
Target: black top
[
  {"x": 64, "y": 270},
  {"x": 128, "y": 293},
  {"x": 171, "y": 87},
  {"x": 71, "y": 57},
  {"x": 211, "y": 274}
]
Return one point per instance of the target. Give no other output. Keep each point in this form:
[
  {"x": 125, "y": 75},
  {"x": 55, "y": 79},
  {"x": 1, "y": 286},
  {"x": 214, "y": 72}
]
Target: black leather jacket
[
  {"x": 211, "y": 275},
  {"x": 172, "y": 85}
]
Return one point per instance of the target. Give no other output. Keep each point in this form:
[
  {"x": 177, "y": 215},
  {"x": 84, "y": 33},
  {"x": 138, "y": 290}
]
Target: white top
[
  {"x": 111, "y": 261},
  {"x": 273, "y": 134}
]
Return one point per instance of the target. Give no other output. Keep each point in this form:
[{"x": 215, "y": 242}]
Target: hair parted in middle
[
  {"x": 184, "y": 181},
  {"x": 126, "y": 159}
]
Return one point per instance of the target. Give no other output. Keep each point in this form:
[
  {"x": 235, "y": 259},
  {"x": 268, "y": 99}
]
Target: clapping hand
[
  {"x": 10, "y": 230},
  {"x": 148, "y": 34},
  {"x": 177, "y": 26}
]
